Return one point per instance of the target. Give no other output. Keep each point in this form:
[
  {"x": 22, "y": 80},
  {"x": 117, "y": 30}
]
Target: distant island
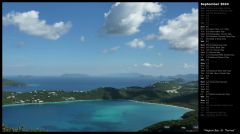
[
  {"x": 75, "y": 75},
  {"x": 175, "y": 92},
  {"x": 7, "y": 82}
]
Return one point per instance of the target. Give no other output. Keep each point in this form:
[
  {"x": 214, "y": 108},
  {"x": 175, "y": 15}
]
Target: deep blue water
[
  {"x": 74, "y": 83},
  {"x": 118, "y": 115}
]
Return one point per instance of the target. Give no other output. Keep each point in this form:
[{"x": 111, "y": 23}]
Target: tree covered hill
[
  {"x": 160, "y": 92},
  {"x": 188, "y": 123},
  {"x": 172, "y": 92}
]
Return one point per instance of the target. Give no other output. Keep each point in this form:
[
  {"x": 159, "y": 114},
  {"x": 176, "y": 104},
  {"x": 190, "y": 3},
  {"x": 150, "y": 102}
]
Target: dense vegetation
[
  {"x": 188, "y": 123},
  {"x": 175, "y": 92},
  {"x": 161, "y": 92},
  {"x": 20, "y": 129}
]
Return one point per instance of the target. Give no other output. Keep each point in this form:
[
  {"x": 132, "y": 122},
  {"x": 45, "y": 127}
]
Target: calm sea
[
  {"x": 89, "y": 115},
  {"x": 77, "y": 83}
]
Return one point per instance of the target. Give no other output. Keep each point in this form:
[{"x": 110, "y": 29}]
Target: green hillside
[
  {"x": 188, "y": 123},
  {"x": 173, "y": 93},
  {"x": 20, "y": 129},
  {"x": 166, "y": 85},
  {"x": 180, "y": 96}
]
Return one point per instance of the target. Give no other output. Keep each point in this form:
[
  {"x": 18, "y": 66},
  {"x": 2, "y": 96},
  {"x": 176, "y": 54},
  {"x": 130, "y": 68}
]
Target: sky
[{"x": 100, "y": 38}]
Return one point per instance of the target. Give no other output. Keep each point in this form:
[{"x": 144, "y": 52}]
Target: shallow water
[{"x": 119, "y": 115}]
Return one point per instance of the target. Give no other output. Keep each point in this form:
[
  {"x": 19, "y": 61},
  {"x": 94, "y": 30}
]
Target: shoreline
[
  {"x": 72, "y": 101},
  {"x": 161, "y": 104},
  {"x": 54, "y": 102}
]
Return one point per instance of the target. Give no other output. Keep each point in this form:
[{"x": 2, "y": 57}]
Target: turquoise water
[{"x": 119, "y": 115}]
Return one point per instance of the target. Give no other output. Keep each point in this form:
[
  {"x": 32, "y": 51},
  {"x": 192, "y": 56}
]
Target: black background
[{"x": 231, "y": 121}]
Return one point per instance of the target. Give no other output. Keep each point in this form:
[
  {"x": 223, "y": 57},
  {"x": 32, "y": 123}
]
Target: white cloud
[
  {"x": 150, "y": 47},
  {"x": 188, "y": 66},
  {"x": 126, "y": 18},
  {"x": 146, "y": 64},
  {"x": 137, "y": 43},
  {"x": 115, "y": 48},
  {"x": 182, "y": 31},
  {"x": 29, "y": 23},
  {"x": 82, "y": 39},
  {"x": 152, "y": 37},
  {"x": 111, "y": 50}
]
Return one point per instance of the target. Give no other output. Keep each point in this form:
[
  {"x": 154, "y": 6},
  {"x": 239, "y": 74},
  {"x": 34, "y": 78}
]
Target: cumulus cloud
[
  {"x": 126, "y": 18},
  {"x": 137, "y": 43},
  {"x": 146, "y": 64},
  {"x": 182, "y": 31},
  {"x": 82, "y": 39},
  {"x": 110, "y": 50},
  {"x": 188, "y": 66},
  {"x": 29, "y": 23}
]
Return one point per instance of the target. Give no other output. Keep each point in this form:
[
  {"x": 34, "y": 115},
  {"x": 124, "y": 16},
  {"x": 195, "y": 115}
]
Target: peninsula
[{"x": 174, "y": 92}]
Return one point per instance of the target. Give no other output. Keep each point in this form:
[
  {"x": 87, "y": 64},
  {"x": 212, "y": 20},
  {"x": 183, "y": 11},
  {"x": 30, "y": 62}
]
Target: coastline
[
  {"x": 72, "y": 101},
  {"x": 56, "y": 102},
  {"x": 162, "y": 104}
]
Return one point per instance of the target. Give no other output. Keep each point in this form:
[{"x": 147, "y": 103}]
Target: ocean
[{"x": 77, "y": 83}]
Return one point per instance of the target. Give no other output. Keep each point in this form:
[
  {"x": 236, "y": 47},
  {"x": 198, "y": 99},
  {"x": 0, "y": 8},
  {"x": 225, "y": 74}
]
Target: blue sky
[{"x": 59, "y": 38}]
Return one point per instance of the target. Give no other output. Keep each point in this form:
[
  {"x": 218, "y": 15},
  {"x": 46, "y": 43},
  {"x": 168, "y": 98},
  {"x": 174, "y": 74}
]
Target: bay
[{"x": 95, "y": 115}]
